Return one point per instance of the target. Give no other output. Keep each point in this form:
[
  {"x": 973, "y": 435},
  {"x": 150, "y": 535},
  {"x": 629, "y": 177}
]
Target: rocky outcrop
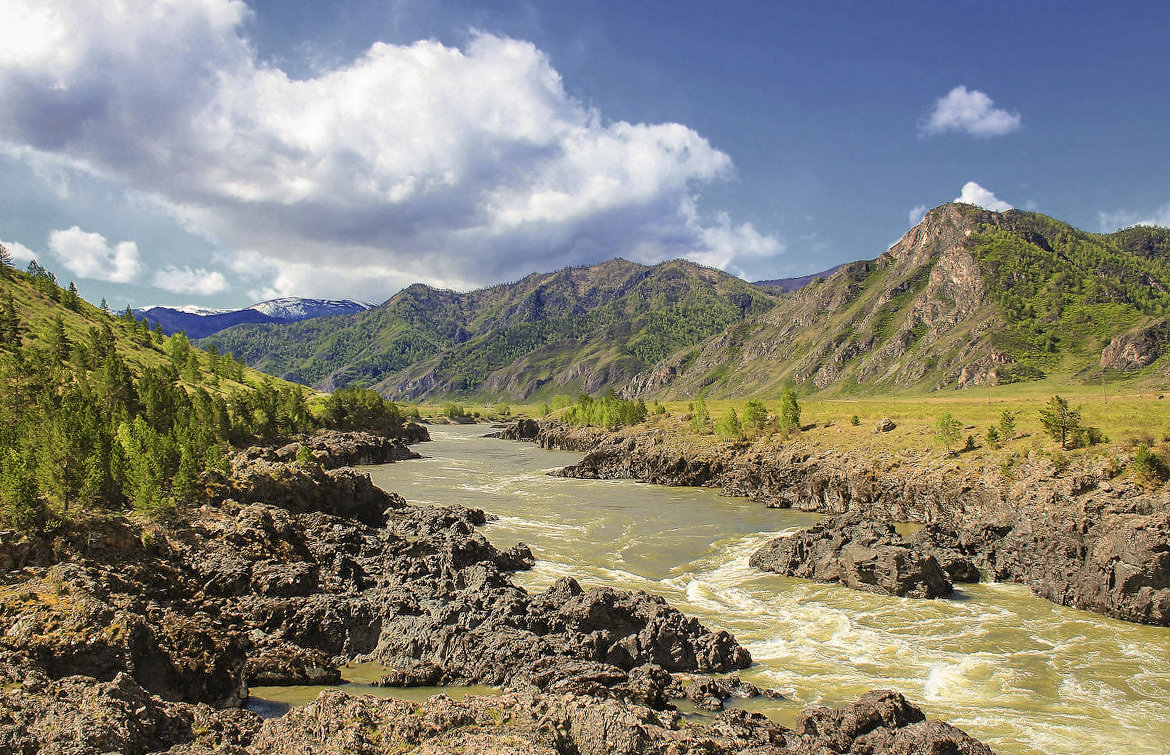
[
  {"x": 1082, "y": 536},
  {"x": 329, "y": 569},
  {"x": 857, "y": 553},
  {"x": 332, "y": 449},
  {"x": 521, "y": 429},
  {"x": 1138, "y": 348},
  {"x": 880, "y": 723},
  {"x": 304, "y": 488}
]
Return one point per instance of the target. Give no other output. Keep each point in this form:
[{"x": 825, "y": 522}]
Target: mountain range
[
  {"x": 967, "y": 297},
  {"x": 199, "y": 322}
]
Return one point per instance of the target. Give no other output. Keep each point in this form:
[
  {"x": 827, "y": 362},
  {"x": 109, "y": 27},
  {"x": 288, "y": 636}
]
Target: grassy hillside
[
  {"x": 100, "y": 415},
  {"x": 576, "y": 329},
  {"x": 967, "y": 298}
]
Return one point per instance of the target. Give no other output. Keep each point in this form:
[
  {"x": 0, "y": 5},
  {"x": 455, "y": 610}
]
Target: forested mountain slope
[
  {"x": 99, "y": 414},
  {"x": 967, "y": 297},
  {"x": 578, "y": 329}
]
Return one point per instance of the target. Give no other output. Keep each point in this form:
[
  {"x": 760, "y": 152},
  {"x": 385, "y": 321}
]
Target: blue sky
[{"x": 217, "y": 153}]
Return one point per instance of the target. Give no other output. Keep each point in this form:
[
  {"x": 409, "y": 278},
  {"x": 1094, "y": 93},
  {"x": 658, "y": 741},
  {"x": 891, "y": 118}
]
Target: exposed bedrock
[
  {"x": 141, "y": 637},
  {"x": 1082, "y": 537},
  {"x": 858, "y": 553},
  {"x": 83, "y": 716}
]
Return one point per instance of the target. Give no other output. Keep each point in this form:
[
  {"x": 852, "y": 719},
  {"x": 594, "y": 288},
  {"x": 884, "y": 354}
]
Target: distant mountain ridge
[
  {"x": 200, "y": 322},
  {"x": 577, "y": 329},
  {"x": 968, "y": 297},
  {"x": 797, "y": 283}
]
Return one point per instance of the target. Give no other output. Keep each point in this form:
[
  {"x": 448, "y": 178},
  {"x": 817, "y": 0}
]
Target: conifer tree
[
  {"x": 729, "y": 428},
  {"x": 789, "y": 410},
  {"x": 10, "y": 329},
  {"x": 1059, "y": 421},
  {"x": 58, "y": 342},
  {"x": 5, "y": 262}
]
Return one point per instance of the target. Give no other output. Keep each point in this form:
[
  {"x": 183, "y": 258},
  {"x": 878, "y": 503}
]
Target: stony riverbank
[
  {"x": 1084, "y": 536},
  {"x": 143, "y": 637}
]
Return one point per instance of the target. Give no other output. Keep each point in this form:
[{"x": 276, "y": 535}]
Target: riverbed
[{"x": 1020, "y": 673}]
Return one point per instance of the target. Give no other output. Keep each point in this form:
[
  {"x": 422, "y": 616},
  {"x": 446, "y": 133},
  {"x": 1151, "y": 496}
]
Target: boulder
[{"x": 858, "y": 553}]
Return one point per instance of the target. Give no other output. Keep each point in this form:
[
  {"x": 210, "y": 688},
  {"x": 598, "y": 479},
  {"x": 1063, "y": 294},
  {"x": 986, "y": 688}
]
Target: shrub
[
  {"x": 755, "y": 416},
  {"x": 1007, "y": 424},
  {"x": 1149, "y": 469},
  {"x": 729, "y": 428},
  {"x": 855, "y": 420},
  {"x": 992, "y": 436}
]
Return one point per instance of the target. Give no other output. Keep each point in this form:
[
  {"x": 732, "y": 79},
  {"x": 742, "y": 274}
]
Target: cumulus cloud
[
  {"x": 1112, "y": 221},
  {"x": 971, "y": 112},
  {"x": 184, "y": 280},
  {"x": 90, "y": 255},
  {"x": 917, "y": 214},
  {"x": 418, "y": 161},
  {"x": 975, "y": 194},
  {"x": 19, "y": 252}
]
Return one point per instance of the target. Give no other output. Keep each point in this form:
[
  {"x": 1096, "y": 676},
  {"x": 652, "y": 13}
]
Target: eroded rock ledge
[
  {"x": 858, "y": 553},
  {"x": 1081, "y": 537}
]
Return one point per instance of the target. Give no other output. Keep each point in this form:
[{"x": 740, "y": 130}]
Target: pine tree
[
  {"x": 699, "y": 414},
  {"x": 1007, "y": 424},
  {"x": 191, "y": 373},
  {"x": 10, "y": 330},
  {"x": 71, "y": 300},
  {"x": 58, "y": 342},
  {"x": 1060, "y": 421},
  {"x": 5, "y": 262},
  {"x": 789, "y": 410},
  {"x": 729, "y": 428}
]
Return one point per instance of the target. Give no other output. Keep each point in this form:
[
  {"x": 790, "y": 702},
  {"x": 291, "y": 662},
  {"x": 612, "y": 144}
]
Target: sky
[{"x": 219, "y": 153}]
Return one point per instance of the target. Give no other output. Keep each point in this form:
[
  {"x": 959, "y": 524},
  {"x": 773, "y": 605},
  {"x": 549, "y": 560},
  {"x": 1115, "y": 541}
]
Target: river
[{"x": 1019, "y": 673}]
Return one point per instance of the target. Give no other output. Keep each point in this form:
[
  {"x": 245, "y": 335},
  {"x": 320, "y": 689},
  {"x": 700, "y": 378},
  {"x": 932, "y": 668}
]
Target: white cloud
[
  {"x": 917, "y": 214},
  {"x": 411, "y": 162},
  {"x": 975, "y": 194},
  {"x": 184, "y": 280},
  {"x": 20, "y": 252},
  {"x": 90, "y": 255},
  {"x": 971, "y": 112},
  {"x": 1112, "y": 221}
]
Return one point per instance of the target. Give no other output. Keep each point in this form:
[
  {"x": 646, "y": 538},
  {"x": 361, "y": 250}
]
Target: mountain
[
  {"x": 968, "y": 297},
  {"x": 795, "y": 284},
  {"x": 198, "y": 322},
  {"x": 578, "y": 329}
]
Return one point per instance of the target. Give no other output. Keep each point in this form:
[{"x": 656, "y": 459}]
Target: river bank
[
  {"x": 1084, "y": 536},
  {"x": 144, "y": 636}
]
